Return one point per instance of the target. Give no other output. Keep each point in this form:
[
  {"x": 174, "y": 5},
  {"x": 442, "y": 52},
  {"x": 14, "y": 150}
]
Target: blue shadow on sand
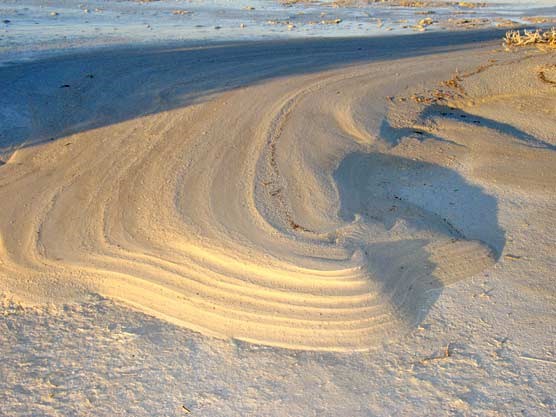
[
  {"x": 51, "y": 98},
  {"x": 386, "y": 190}
]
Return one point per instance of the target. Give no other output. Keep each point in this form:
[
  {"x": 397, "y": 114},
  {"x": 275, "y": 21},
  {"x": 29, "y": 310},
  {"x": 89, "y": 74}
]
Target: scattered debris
[
  {"x": 288, "y": 23},
  {"x": 330, "y": 21},
  {"x": 539, "y": 20},
  {"x": 486, "y": 294},
  {"x": 296, "y": 226},
  {"x": 469, "y": 5},
  {"x": 505, "y": 23},
  {"x": 181, "y": 12},
  {"x": 446, "y": 353},
  {"x": 467, "y": 23}
]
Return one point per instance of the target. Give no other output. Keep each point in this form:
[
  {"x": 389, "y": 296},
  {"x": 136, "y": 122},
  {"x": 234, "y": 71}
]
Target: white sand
[{"x": 305, "y": 206}]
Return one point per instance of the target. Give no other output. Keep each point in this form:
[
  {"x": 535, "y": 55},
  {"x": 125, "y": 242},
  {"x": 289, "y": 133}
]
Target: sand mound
[{"x": 283, "y": 214}]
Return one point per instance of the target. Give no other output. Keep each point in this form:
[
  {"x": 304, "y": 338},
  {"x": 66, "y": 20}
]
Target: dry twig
[{"x": 539, "y": 38}]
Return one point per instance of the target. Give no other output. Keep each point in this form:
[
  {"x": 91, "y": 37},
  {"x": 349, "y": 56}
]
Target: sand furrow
[{"x": 281, "y": 213}]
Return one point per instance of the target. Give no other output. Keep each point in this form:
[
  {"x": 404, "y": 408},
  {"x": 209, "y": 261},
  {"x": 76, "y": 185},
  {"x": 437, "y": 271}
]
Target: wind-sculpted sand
[{"x": 307, "y": 211}]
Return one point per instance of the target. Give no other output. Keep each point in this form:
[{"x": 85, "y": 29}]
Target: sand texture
[
  {"x": 322, "y": 210},
  {"x": 383, "y": 208}
]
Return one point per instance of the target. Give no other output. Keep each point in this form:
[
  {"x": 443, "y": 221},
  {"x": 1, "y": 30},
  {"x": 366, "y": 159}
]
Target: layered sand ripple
[{"x": 302, "y": 212}]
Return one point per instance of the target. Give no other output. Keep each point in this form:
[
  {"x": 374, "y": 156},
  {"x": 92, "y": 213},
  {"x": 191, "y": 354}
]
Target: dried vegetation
[{"x": 540, "y": 38}]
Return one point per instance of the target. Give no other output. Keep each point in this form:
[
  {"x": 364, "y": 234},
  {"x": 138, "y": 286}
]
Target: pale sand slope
[
  {"x": 304, "y": 212},
  {"x": 320, "y": 211}
]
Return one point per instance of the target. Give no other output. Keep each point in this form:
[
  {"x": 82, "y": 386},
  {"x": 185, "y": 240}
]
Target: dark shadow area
[
  {"x": 54, "y": 97},
  {"x": 406, "y": 275},
  {"x": 394, "y": 135},
  {"x": 424, "y": 200},
  {"x": 425, "y": 195},
  {"x": 460, "y": 115}
]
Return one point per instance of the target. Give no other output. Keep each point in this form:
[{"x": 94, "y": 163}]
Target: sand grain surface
[
  {"x": 324, "y": 211},
  {"x": 301, "y": 212}
]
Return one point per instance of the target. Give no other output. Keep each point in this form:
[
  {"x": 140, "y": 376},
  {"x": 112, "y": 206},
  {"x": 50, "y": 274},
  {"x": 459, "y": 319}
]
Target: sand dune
[{"x": 305, "y": 212}]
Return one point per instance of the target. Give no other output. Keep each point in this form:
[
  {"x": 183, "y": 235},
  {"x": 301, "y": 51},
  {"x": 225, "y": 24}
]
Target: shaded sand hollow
[{"x": 315, "y": 208}]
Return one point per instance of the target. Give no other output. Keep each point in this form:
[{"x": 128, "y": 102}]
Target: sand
[{"x": 314, "y": 196}]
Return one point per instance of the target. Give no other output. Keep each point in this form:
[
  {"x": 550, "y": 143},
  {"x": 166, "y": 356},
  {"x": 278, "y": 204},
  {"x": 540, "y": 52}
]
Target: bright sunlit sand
[{"x": 359, "y": 226}]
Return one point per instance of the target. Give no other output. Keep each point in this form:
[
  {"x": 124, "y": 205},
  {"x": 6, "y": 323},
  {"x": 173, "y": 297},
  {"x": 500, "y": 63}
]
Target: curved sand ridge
[{"x": 279, "y": 214}]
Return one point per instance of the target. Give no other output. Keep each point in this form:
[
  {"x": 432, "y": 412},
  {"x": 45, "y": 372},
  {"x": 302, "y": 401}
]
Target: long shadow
[
  {"x": 462, "y": 116},
  {"x": 394, "y": 135},
  {"x": 406, "y": 275},
  {"x": 415, "y": 201},
  {"x": 54, "y": 97}
]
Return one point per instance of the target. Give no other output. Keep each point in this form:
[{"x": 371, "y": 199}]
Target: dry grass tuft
[{"x": 539, "y": 38}]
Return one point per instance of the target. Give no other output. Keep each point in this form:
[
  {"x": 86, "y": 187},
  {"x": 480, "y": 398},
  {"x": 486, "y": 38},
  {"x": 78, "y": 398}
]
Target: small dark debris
[
  {"x": 296, "y": 226},
  {"x": 65, "y": 86},
  {"x": 89, "y": 76},
  {"x": 6, "y": 21}
]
